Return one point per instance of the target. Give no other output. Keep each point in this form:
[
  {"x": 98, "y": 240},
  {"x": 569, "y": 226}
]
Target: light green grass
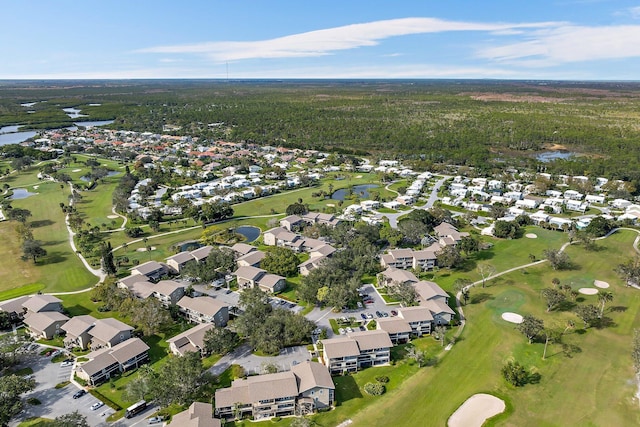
[{"x": 580, "y": 390}]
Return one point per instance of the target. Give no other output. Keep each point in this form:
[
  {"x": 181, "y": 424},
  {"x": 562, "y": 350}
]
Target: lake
[
  {"x": 110, "y": 173},
  {"x": 16, "y": 137},
  {"x": 73, "y": 113},
  {"x": 94, "y": 123},
  {"x": 21, "y": 193},
  {"x": 251, "y": 233},
  {"x": 361, "y": 191},
  {"x": 549, "y": 156}
]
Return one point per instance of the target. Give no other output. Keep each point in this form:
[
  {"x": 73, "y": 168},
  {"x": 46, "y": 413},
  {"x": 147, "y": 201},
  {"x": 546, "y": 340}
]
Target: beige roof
[
  {"x": 204, "y": 305},
  {"x": 252, "y": 257},
  {"x": 148, "y": 267},
  {"x": 291, "y": 219},
  {"x": 282, "y": 233},
  {"x": 324, "y": 250},
  {"x": 142, "y": 289},
  {"x": 97, "y": 364},
  {"x": 438, "y": 306},
  {"x": 256, "y": 388},
  {"x": 415, "y": 314},
  {"x": 226, "y": 397},
  {"x": 41, "y": 321},
  {"x": 134, "y": 278},
  {"x": 201, "y": 253},
  {"x": 340, "y": 347},
  {"x": 167, "y": 287},
  {"x": 429, "y": 290},
  {"x": 313, "y": 244},
  {"x": 269, "y": 280},
  {"x": 370, "y": 340},
  {"x": 193, "y": 337},
  {"x": 128, "y": 349},
  {"x": 38, "y": 302},
  {"x": 198, "y": 415},
  {"x": 14, "y": 305},
  {"x": 401, "y": 253},
  {"x": 243, "y": 248},
  {"x": 181, "y": 257},
  {"x": 78, "y": 325},
  {"x": 393, "y": 325},
  {"x": 425, "y": 254},
  {"x": 106, "y": 329},
  {"x": 249, "y": 273},
  {"x": 398, "y": 275},
  {"x": 312, "y": 374}
]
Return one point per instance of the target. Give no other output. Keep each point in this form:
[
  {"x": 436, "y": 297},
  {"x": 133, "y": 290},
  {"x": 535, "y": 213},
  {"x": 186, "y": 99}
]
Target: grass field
[
  {"x": 60, "y": 270},
  {"x": 591, "y": 385}
]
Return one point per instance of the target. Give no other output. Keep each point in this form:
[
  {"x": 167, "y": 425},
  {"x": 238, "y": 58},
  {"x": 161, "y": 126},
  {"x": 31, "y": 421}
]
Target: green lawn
[
  {"x": 60, "y": 270},
  {"x": 578, "y": 388}
]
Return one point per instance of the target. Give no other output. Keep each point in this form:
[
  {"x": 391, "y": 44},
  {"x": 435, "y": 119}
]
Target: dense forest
[{"x": 483, "y": 124}]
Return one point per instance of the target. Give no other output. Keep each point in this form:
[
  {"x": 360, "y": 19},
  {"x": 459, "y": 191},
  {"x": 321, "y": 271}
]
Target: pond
[
  {"x": 88, "y": 179},
  {"x": 549, "y": 156},
  {"x": 250, "y": 232},
  {"x": 21, "y": 193},
  {"x": 361, "y": 191}
]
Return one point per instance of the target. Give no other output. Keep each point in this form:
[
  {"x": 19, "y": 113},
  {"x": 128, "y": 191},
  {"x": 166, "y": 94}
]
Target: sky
[{"x": 357, "y": 39}]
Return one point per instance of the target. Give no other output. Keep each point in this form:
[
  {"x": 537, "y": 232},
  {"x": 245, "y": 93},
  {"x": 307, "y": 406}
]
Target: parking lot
[{"x": 56, "y": 402}]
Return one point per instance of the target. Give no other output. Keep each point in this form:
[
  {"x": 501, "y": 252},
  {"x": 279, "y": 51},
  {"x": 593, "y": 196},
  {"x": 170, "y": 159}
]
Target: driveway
[{"x": 253, "y": 364}]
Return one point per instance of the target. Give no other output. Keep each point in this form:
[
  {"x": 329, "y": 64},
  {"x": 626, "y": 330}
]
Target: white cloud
[
  {"x": 567, "y": 43},
  {"x": 634, "y": 12},
  {"x": 323, "y": 42}
]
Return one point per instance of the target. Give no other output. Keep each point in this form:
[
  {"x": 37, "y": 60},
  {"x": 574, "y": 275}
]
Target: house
[
  {"x": 408, "y": 258},
  {"x": 204, "y": 310},
  {"x": 593, "y": 198},
  {"x": 280, "y": 236},
  {"x": 179, "y": 260},
  {"x": 291, "y": 222},
  {"x": 420, "y": 319},
  {"x": 14, "y": 308},
  {"x": 242, "y": 249},
  {"x": 316, "y": 258},
  {"x": 434, "y": 298},
  {"x": 430, "y": 291},
  {"x": 42, "y": 303},
  {"x": 168, "y": 292},
  {"x": 304, "y": 389},
  {"x": 151, "y": 269},
  {"x": 395, "y": 275},
  {"x": 109, "y": 332},
  {"x": 202, "y": 253},
  {"x": 252, "y": 259},
  {"x": 398, "y": 329},
  {"x": 106, "y": 362},
  {"x": 77, "y": 331},
  {"x": 46, "y": 324},
  {"x": 249, "y": 277},
  {"x": 448, "y": 234},
  {"x": 356, "y": 350},
  {"x": 320, "y": 218},
  {"x": 190, "y": 340},
  {"x": 199, "y": 414},
  {"x": 129, "y": 281}
]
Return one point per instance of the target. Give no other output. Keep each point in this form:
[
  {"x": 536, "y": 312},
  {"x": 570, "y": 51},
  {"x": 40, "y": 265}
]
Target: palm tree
[{"x": 603, "y": 299}]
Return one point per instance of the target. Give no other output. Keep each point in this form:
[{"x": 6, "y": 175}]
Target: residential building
[
  {"x": 282, "y": 237},
  {"x": 151, "y": 269},
  {"x": 109, "y": 332},
  {"x": 395, "y": 275},
  {"x": 202, "y": 253},
  {"x": 251, "y": 259},
  {"x": 398, "y": 329},
  {"x": 304, "y": 389},
  {"x": 249, "y": 277},
  {"x": 41, "y": 303},
  {"x": 356, "y": 350},
  {"x": 14, "y": 308},
  {"x": 46, "y": 324},
  {"x": 448, "y": 234},
  {"x": 190, "y": 340},
  {"x": 242, "y": 249},
  {"x": 199, "y": 414},
  {"x": 77, "y": 331},
  {"x": 168, "y": 292},
  {"x": 178, "y": 261},
  {"x": 292, "y": 222},
  {"x": 204, "y": 310},
  {"x": 424, "y": 259},
  {"x": 320, "y": 218},
  {"x": 106, "y": 362}
]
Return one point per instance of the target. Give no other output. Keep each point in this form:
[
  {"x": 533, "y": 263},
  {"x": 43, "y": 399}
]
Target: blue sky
[{"x": 499, "y": 39}]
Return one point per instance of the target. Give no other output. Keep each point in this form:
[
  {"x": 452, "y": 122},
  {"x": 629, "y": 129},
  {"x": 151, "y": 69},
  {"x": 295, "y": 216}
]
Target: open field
[
  {"x": 578, "y": 387},
  {"x": 60, "y": 270}
]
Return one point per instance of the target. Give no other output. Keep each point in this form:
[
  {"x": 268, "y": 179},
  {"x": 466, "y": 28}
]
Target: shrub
[
  {"x": 63, "y": 384},
  {"x": 383, "y": 379},
  {"x": 33, "y": 401},
  {"x": 515, "y": 374},
  {"x": 374, "y": 389}
]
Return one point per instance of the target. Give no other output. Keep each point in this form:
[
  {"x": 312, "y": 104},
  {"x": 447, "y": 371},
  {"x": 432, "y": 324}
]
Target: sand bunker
[
  {"x": 35, "y": 187},
  {"x": 151, "y": 248},
  {"x": 358, "y": 176},
  {"x": 512, "y": 317},
  {"x": 531, "y": 236},
  {"x": 476, "y": 410},
  {"x": 77, "y": 170},
  {"x": 588, "y": 291},
  {"x": 112, "y": 216},
  {"x": 600, "y": 284}
]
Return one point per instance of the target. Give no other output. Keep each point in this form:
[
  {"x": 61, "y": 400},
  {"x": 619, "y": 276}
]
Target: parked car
[
  {"x": 155, "y": 420},
  {"x": 66, "y": 363},
  {"x": 362, "y": 328},
  {"x": 364, "y": 316},
  {"x": 378, "y": 314},
  {"x": 394, "y": 313},
  {"x": 385, "y": 314},
  {"x": 96, "y": 405},
  {"x": 79, "y": 393},
  {"x": 359, "y": 304},
  {"x": 369, "y": 316},
  {"x": 349, "y": 330},
  {"x": 342, "y": 331}
]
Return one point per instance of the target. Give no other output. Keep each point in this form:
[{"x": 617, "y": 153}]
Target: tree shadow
[
  {"x": 53, "y": 242},
  {"x": 480, "y": 298},
  {"x": 41, "y": 223},
  {"x": 579, "y": 299},
  {"x": 54, "y": 258},
  {"x": 618, "y": 309},
  {"x": 347, "y": 389},
  {"x": 566, "y": 306},
  {"x": 604, "y": 322},
  {"x": 77, "y": 310},
  {"x": 534, "y": 378},
  {"x": 484, "y": 255}
]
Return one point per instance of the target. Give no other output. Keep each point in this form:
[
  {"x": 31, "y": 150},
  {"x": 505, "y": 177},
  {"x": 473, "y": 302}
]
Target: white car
[
  {"x": 349, "y": 330},
  {"x": 96, "y": 405},
  {"x": 342, "y": 331},
  {"x": 66, "y": 363}
]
